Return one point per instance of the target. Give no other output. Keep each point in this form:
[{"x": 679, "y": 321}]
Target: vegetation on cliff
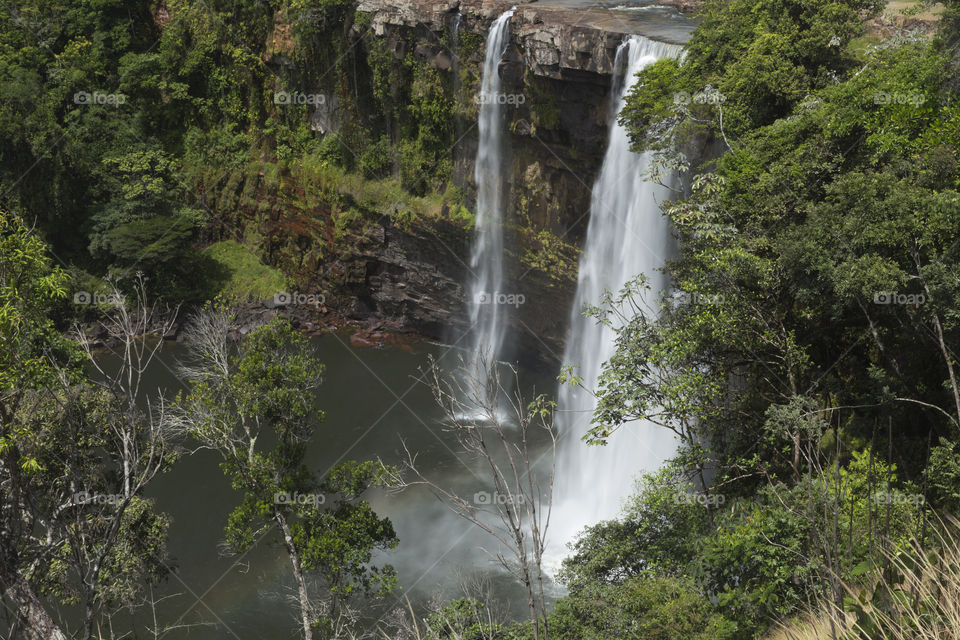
[{"x": 137, "y": 134}]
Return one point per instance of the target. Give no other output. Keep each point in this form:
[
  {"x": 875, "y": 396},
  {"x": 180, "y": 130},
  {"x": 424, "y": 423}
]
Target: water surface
[{"x": 372, "y": 399}]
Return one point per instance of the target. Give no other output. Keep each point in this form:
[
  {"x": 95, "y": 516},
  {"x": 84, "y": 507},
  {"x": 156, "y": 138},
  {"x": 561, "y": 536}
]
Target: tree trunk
[
  {"x": 298, "y": 576},
  {"x": 531, "y": 603},
  {"x": 38, "y": 624}
]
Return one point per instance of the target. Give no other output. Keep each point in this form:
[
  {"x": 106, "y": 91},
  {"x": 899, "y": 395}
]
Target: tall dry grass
[{"x": 913, "y": 595}]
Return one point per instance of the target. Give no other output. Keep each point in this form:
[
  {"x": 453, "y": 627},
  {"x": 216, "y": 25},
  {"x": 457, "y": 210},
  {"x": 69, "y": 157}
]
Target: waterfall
[
  {"x": 627, "y": 235},
  {"x": 456, "y": 21},
  {"x": 486, "y": 261}
]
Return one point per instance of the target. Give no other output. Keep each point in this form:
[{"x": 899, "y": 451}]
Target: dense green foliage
[
  {"x": 754, "y": 61},
  {"x": 135, "y": 134},
  {"x": 816, "y": 258},
  {"x": 648, "y": 608},
  {"x": 807, "y": 357},
  {"x": 78, "y": 451},
  {"x": 74, "y": 525}
]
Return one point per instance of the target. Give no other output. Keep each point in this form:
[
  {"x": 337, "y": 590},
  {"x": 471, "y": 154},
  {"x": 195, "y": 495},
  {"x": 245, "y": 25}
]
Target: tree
[
  {"x": 75, "y": 457},
  {"x": 660, "y": 532},
  {"x": 746, "y": 65},
  {"x": 254, "y": 403},
  {"x": 139, "y": 444},
  {"x": 476, "y": 615},
  {"x": 28, "y": 284},
  {"x": 815, "y": 261},
  {"x": 815, "y": 302},
  {"x": 641, "y": 608}
]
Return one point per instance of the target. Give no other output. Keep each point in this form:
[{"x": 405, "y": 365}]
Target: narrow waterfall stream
[
  {"x": 627, "y": 235},
  {"x": 456, "y": 22},
  {"x": 486, "y": 261}
]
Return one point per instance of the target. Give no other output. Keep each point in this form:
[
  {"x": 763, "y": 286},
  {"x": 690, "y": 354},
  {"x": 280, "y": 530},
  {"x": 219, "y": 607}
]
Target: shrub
[{"x": 642, "y": 608}]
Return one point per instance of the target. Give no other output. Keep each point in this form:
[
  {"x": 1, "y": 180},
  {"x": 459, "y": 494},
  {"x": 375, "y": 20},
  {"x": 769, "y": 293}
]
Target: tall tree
[
  {"x": 75, "y": 456},
  {"x": 254, "y": 403}
]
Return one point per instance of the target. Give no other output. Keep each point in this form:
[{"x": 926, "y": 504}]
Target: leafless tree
[
  {"x": 498, "y": 428},
  {"x": 141, "y": 442},
  {"x": 96, "y": 444}
]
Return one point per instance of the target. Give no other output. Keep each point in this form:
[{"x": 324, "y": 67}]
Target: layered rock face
[
  {"x": 556, "y": 82},
  {"x": 416, "y": 278}
]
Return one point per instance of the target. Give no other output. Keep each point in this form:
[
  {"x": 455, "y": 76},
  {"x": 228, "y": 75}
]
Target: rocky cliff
[{"x": 556, "y": 81}]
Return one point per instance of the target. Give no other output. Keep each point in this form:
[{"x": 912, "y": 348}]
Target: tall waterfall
[
  {"x": 486, "y": 262},
  {"x": 627, "y": 235}
]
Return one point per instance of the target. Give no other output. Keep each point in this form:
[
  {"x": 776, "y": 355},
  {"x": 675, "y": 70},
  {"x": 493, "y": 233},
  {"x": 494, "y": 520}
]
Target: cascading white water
[
  {"x": 486, "y": 262},
  {"x": 455, "y": 23},
  {"x": 627, "y": 236}
]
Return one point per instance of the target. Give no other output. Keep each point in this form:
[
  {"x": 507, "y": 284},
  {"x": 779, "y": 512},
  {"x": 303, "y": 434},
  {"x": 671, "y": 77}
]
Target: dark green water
[{"x": 372, "y": 399}]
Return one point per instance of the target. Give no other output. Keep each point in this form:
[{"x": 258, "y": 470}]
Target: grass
[
  {"x": 916, "y": 598},
  {"x": 915, "y": 8},
  {"x": 861, "y": 44},
  {"x": 384, "y": 194},
  {"x": 240, "y": 275},
  {"x": 811, "y": 627}
]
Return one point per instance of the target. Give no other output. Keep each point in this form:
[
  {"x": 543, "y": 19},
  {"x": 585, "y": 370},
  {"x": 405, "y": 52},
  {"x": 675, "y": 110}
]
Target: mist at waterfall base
[
  {"x": 627, "y": 236},
  {"x": 486, "y": 261}
]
